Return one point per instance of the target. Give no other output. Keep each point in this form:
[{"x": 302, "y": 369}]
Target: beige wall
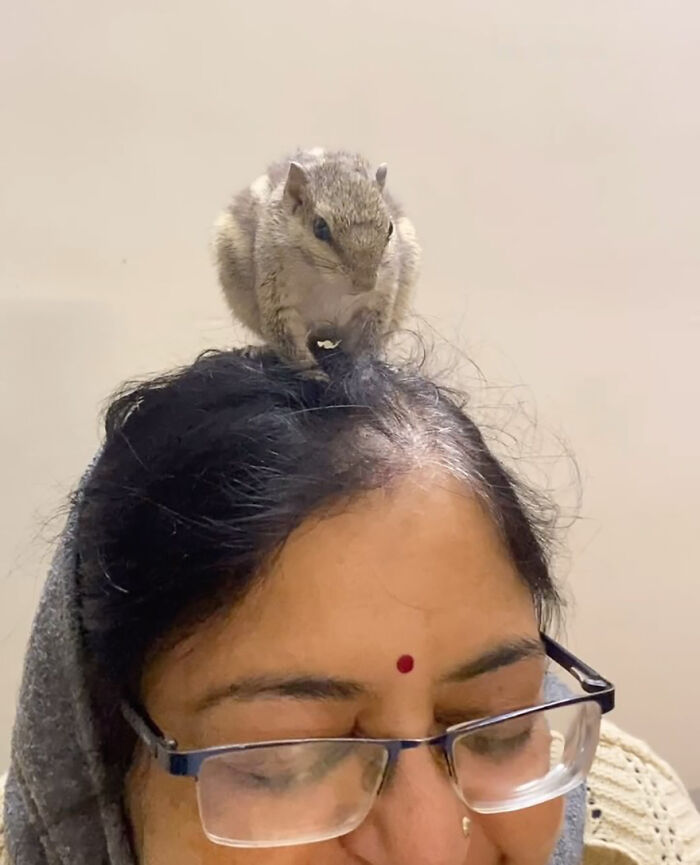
[{"x": 549, "y": 154}]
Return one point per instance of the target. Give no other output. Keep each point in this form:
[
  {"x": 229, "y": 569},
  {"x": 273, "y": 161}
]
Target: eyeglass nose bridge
[{"x": 394, "y": 748}]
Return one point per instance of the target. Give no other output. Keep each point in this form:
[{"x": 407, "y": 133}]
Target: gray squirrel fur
[{"x": 292, "y": 288}]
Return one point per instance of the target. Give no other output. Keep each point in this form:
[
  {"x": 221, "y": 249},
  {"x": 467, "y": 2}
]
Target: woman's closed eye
[
  {"x": 496, "y": 743},
  {"x": 279, "y": 769},
  {"x": 249, "y": 779},
  {"x": 263, "y": 776}
]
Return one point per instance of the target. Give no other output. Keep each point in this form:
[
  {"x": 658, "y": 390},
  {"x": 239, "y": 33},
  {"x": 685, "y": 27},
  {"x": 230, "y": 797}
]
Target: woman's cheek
[{"x": 526, "y": 837}]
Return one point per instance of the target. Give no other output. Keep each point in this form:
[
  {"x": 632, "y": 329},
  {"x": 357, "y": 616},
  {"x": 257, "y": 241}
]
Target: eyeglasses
[{"x": 276, "y": 794}]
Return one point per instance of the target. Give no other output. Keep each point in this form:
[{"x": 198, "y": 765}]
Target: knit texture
[{"x": 639, "y": 813}]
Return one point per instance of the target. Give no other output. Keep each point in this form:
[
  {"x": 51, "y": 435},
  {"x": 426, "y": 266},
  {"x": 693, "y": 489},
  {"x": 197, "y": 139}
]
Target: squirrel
[{"x": 315, "y": 254}]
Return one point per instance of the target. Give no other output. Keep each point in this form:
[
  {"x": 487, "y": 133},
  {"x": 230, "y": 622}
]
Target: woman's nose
[{"x": 416, "y": 820}]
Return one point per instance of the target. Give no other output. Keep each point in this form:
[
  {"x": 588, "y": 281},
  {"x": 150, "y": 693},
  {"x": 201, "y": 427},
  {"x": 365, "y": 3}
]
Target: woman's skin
[{"x": 416, "y": 570}]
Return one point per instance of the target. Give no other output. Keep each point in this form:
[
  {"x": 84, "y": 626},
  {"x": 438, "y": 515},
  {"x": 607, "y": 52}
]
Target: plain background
[{"x": 548, "y": 153}]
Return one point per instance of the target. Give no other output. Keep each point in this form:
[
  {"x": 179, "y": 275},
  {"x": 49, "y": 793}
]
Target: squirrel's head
[{"x": 338, "y": 219}]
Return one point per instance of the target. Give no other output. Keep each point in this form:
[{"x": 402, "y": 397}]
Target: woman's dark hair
[{"x": 206, "y": 471}]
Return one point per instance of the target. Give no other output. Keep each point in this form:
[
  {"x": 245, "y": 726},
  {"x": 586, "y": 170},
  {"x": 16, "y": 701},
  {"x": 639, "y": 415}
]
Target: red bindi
[{"x": 405, "y": 664}]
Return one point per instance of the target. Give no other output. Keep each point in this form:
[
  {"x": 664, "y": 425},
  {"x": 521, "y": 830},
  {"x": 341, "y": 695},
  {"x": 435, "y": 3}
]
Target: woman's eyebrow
[
  {"x": 503, "y": 655},
  {"x": 296, "y": 687},
  {"x": 328, "y": 688}
]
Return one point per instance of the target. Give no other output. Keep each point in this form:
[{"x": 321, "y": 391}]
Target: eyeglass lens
[{"x": 297, "y": 793}]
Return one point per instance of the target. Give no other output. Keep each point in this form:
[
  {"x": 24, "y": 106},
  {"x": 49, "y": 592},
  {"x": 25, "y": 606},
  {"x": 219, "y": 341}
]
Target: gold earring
[{"x": 466, "y": 826}]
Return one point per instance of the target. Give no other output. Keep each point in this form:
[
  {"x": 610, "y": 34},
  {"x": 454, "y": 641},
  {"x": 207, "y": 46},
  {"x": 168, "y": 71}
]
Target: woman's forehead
[
  {"x": 416, "y": 571},
  {"x": 423, "y": 546}
]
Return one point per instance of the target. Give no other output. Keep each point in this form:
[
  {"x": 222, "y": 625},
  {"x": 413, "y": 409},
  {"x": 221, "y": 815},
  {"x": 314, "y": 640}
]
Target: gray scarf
[{"x": 57, "y": 808}]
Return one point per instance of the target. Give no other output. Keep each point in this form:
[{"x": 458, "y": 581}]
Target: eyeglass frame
[{"x": 188, "y": 763}]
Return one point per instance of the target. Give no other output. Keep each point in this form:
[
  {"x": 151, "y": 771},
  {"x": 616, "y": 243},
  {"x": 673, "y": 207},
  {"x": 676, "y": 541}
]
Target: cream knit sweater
[{"x": 639, "y": 813}]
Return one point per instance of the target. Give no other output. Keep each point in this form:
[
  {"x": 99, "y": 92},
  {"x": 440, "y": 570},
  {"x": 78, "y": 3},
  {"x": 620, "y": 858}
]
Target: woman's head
[{"x": 257, "y": 551}]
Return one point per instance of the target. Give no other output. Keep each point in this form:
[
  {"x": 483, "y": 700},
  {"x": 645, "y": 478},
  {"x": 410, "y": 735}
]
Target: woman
[{"x": 294, "y": 622}]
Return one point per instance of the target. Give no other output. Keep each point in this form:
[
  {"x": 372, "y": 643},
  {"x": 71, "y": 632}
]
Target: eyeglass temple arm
[
  {"x": 151, "y": 735},
  {"x": 590, "y": 680}
]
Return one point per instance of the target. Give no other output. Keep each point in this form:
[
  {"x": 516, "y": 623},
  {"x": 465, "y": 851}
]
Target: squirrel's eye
[
  {"x": 391, "y": 230},
  {"x": 321, "y": 229}
]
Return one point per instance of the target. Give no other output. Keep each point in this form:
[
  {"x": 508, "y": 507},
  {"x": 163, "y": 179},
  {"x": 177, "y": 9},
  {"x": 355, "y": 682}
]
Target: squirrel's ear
[
  {"x": 380, "y": 176},
  {"x": 295, "y": 186}
]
